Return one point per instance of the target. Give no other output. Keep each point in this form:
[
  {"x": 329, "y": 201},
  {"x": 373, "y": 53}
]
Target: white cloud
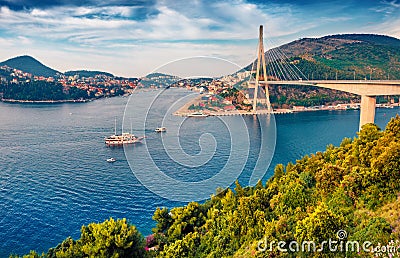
[
  {"x": 390, "y": 27},
  {"x": 24, "y": 40},
  {"x": 38, "y": 12},
  {"x": 222, "y": 21},
  {"x": 121, "y": 11},
  {"x": 387, "y": 7},
  {"x": 124, "y": 41},
  {"x": 389, "y": 24}
]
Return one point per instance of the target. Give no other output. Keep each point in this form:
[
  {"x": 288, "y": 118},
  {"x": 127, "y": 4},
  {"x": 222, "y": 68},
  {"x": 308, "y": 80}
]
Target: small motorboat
[
  {"x": 111, "y": 160},
  {"x": 160, "y": 129},
  {"x": 197, "y": 114}
]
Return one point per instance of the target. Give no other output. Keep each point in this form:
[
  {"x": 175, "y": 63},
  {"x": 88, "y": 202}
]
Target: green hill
[
  {"x": 30, "y": 65},
  {"x": 370, "y": 38},
  {"x": 365, "y": 54},
  {"x": 158, "y": 79},
  {"x": 341, "y": 57},
  {"x": 86, "y": 73}
]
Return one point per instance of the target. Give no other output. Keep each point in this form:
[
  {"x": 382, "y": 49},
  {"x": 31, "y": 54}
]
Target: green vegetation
[
  {"x": 287, "y": 96},
  {"x": 195, "y": 107},
  {"x": 41, "y": 90},
  {"x": 341, "y": 57},
  {"x": 86, "y": 73},
  {"x": 363, "y": 56},
  {"x": 369, "y": 38},
  {"x": 353, "y": 187},
  {"x": 107, "y": 239}
]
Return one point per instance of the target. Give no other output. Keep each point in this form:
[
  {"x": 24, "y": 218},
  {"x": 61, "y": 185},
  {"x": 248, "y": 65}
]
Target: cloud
[
  {"x": 38, "y": 12},
  {"x": 45, "y": 4},
  {"x": 142, "y": 34},
  {"x": 387, "y": 7},
  {"x": 389, "y": 27},
  {"x": 24, "y": 40},
  {"x": 389, "y": 21},
  {"x": 220, "y": 20}
]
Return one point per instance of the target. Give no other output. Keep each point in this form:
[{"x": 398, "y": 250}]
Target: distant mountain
[
  {"x": 86, "y": 73},
  {"x": 30, "y": 65}
]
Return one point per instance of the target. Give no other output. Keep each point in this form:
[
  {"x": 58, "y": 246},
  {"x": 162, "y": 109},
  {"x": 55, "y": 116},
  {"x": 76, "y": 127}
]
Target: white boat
[
  {"x": 121, "y": 139},
  {"x": 197, "y": 114},
  {"x": 111, "y": 160},
  {"x": 160, "y": 129}
]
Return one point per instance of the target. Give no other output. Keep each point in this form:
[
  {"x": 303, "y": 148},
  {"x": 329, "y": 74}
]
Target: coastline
[
  {"x": 46, "y": 101},
  {"x": 184, "y": 110}
]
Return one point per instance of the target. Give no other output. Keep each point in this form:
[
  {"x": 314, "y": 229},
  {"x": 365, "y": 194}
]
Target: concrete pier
[{"x": 367, "y": 114}]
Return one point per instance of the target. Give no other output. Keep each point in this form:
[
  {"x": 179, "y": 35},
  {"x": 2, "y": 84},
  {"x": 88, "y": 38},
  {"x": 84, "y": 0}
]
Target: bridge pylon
[{"x": 261, "y": 79}]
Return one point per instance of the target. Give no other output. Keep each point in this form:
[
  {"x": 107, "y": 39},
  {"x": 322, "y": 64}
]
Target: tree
[
  {"x": 32, "y": 254},
  {"x": 393, "y": 127},
  {"x": 107, "y": 239},
  {"x": 163, "y": 219},
  {"x": 319, "y": 226}
]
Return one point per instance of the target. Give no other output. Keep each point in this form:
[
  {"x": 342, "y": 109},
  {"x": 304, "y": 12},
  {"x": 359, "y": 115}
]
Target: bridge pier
[{"x": 367, "y": 110}]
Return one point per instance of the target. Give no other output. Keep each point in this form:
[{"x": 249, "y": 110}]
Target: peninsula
[{"x": 23, "y": 79}]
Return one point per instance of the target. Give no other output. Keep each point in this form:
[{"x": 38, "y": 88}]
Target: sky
[{"x": 134, "y": 38}]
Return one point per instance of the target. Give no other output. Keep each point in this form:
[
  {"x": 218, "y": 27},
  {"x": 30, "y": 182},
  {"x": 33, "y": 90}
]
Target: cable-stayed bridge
[{"x": 281, "y": 72}]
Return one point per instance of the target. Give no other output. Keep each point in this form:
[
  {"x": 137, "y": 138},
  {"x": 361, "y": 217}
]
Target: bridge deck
[{"x": 359, "y": 87}]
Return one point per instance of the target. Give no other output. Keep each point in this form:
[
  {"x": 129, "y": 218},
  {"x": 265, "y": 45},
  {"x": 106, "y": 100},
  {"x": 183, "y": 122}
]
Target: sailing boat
[{"x": 121, "y": 139}]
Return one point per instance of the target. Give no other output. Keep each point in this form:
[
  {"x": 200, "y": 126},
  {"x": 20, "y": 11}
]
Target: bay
[{"x": 54, "y": 177}]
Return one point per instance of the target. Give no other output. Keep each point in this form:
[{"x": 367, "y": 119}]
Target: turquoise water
[{"x": 54, "y": 177}]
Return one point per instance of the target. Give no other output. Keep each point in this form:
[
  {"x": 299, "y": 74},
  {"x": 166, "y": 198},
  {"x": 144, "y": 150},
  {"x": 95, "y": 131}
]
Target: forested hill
[
  {"x": 345, "y": 194},
  {"x": 30, "y": 65},
  {"x": 86, "y": 73},
  {"x": 347, "y": 53},
  {"x": 334, "y": 57},
  {"x": 369, "y": 38},
  {"x": 326, "y": 44}
]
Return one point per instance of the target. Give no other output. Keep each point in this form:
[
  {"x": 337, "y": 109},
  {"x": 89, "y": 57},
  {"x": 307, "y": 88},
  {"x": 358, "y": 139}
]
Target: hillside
[
  {"x": 365, "y": 54},
  {"x": 341, "y": 57},
  {"x": 370, "y": 38},
  {"x": 86, "y": 73},
  {"x": 158, "y": 80},
  {"x": 30, "y": 65},
  {"x": 352, "y": 189}
]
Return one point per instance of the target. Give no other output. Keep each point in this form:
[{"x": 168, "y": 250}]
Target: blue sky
[{"x": 132, "y": 38}]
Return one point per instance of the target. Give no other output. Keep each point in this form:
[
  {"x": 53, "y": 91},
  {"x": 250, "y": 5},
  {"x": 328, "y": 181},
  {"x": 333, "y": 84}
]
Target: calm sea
[{"x": 54, "y": 177}]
